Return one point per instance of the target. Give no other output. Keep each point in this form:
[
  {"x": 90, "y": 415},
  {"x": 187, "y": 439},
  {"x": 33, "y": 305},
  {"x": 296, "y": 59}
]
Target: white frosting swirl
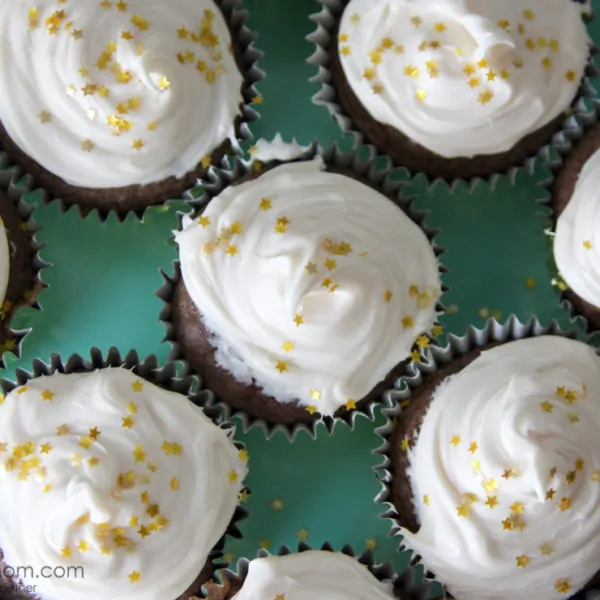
[
  {"x": 464, "y": 77},
  {"x": 506, "y": 473},
  {"x": 315, "y": 284},
  {"x": 4, "y": 261},
  {"x": 577, "y": 239},
  {"x": 111, "y": 473},
  {"x": 312, "y": 574},
  {"x": 159, "y": 74}
]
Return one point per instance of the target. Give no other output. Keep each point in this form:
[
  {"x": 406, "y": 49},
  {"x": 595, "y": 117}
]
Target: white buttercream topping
[
  {"x": 577, "y": 239},
  {"x": 4, "y": 261},
  {"x": 506, "y": 473},
  {"x": 114, "y": 93},
  {"x": 464, "y": 77},
  {"x": 277, "y": 149},
  {"x": 312, "y": 574},
  {"x": 108, "y": 472},
  {"x": 315, "y": 284}
]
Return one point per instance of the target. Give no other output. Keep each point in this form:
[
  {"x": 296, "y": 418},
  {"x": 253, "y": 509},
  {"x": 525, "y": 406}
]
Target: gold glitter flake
[
  {"x": 571, "y": 76},
  {"x": 529, "y": 14},
  {"x": 547, "y": 549},
  {"x": 408, "y": 322},
  {"x": 87, "y": 145},
  {"x": 565, "y": 504}
]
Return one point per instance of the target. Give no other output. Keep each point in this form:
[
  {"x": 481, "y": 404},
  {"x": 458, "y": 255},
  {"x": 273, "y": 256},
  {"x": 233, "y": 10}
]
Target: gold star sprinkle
[
  {"x": 547, "y": 549},
  {"x": 420, "y": 95},
  {"x": 315, "y": 394},
  {"x": 422, "y": 342},
  {"x": 550, "y": 494},
  {"x": 138, "y": 144},
  {"x": 507, "y": 524},
  {"x": 411, "y": 71},
  {"x": 415, "y": 356},
  {"x": 455, "y": 441},
  {"x": 504, "y": 74},
  {"x": 152, "y": 126},
  {"x": 126, "y": 35},
  {"x": 45, "y": 117},
  {"x": 491, "y": 485},
  {"x": 469, "y": 70},
  {"x": 426, "y": 500},
  {"x": 474, "y": 82},
  {"x": 47, "y": 395},
  {"x": 93, "y": 462},
  {"x": 299, "y": 320},
  {"x": 288, "y": 346},
  {"x": 439, "y": 27},
  {"x": 140, "y": 22},
  {"x": 163, "y": 83},
  {"x": 330, "y": 264},
  {"x": 547, "y": 406},
  {"x": 473, "y": 447},
  {"x": 282, "y": 366},
  {"x": 277, "y": 505},
  {"x": 137, "y": 386},
  {"x": 232, "y": 250},
  {"x": 174, "y": 484},
  {"x": 523, "y": 560},
  {"x": 302, "y": 534},
  {"x": 122, "y": 6},
  {"x": 265, "y": 204},
  {"x": 485, "y": 97},
  {"x": 66, "y": 552},
  {"x": 570, "y": 477},
  {"x": 547, "y": 63},
  {"x": 565, "y": 504},
  {"x": 416, "y": 21},
  {"x": 345, "y": 50},
  {"x": 139, "y": 454},
  {"x": 135, "y": 577},
  {"x": 518, "y": 508},
  {"x": 87, "y": 145},
  {"x": 350, "y": 404},
  {"x": 529, "y": 14},
  {"x": 128, "y": 422},
  {"x": 371, "y": 544},
  {"x": 281, "y": 226},
  {"x": 45, "y": 448},
  {"x": 492, "y": 501},
  {"x": 62, "y": 430},
  {"x": 47, "y": 488},
  {"x": 408, "y": 322},
  {"x": 387, "y": 296},
  {"x": 464, "y": 510},
  {"x": 326, "y": 282},
  {"x": 86, "y": 442},
  {"x": 311, "y": 268},
  {"x": 563, "y": 586},
  {"x": 311, "y": 410},
  {"x": 587, "y": 245},
  {"x": 571, "y": 76},
  {"x": 503, "y": 23}
]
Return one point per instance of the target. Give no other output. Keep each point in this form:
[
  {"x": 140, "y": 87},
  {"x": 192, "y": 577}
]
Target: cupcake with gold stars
[
  {"x": 302, "y": 289},
  {"x": 119, "y": 105},
  {"x": 20, "y": 263},
  {"x": 494, "y": 459},
  {"x": 320, "y": 573},
  {"x": 451, "y": 89},
  {"x": 114, "y": 485},
  {"x": 576, "y": 242}
]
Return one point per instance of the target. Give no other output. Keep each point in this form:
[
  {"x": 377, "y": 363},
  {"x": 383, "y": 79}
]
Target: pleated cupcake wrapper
[
  {"x": 580, "y": 116},
  {"x": 360, "y": 161},
  {"x": 243, "y": 38},
  {"x": 556, "y": 162},
  {"x": 17, "y": 327},
  {"x": 406, "y": 584},
  {"x": 456, "y": 346},
  {"x": 174, "y": 377}
]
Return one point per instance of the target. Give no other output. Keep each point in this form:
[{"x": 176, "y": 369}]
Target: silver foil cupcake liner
[
  {"x": 406, "y": 584},
  {"x": 174, "y": 377},
  {"x": 456, "y": 346},
  {"x": 581, "y": 115},
  {"x": 243, "y": 38},
  {"x": 362, "y": 162},
  {"x": 14, "y": 187}
]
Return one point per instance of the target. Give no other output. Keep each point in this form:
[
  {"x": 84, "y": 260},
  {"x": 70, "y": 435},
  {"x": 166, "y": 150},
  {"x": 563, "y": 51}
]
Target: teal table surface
[{"x": 104, "y": 276}]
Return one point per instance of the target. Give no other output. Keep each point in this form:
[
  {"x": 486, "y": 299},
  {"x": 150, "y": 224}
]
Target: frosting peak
[
  {"x": 506, "y": 473},
  {"x": 463, "y": 77},
  {"x": 108, "y": 473},
  {"x": 314, "y": 284},
  {"x": 110, "y": 94}
]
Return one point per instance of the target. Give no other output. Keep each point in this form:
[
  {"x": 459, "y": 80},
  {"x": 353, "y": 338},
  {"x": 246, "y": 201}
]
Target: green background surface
[{"x": 104, "y": 276}]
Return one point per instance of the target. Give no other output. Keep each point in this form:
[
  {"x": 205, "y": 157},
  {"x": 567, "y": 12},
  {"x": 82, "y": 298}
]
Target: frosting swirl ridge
[
  {"x": 314, "y": 284},
  {"x": 113, "y": 93},
  {"x": 464, "y": 77},
  {"x": 108, "y": 473},
  {"x": 506, "y": 473}
]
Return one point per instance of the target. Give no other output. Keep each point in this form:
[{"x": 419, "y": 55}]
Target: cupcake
[
  {"x": 453, "y": 89},
  {"x": 112, "y": 487},
  {"x": 301, "y": 290},
  {"x": 495, "y": 461},
  {"x": 576, "y": 243},
  {"x": 313, "y": 574},
  {"x": 120, "y": 105},
  {"x": 19, "y": 266}
]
